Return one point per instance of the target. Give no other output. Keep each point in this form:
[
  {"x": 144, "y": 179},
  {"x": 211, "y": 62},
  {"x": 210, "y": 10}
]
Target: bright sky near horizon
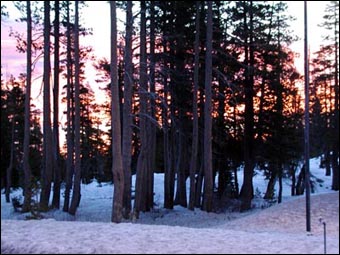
[{"x": 98, "y": 13}]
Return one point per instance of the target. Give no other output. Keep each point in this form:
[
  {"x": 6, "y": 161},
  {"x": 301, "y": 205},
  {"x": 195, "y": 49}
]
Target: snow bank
[
  {"x": 267, "y": 232},
  {"x": 277, "y": 229}
]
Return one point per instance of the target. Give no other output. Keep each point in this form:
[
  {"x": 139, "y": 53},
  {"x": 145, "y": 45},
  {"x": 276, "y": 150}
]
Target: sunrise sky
[{"x": 97, "y": 16}]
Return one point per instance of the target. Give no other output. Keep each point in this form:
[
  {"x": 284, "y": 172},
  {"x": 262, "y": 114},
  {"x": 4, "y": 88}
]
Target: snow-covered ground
[{"x": 280, "y": 228}]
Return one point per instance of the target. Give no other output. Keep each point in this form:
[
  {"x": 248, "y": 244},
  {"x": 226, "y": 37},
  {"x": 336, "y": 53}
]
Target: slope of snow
[
  {"x": 277, "y": 229},
  {"x": 269, "y": 231}
]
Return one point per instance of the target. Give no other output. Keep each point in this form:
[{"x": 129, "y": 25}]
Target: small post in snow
[{"x": 324, "y": 234}]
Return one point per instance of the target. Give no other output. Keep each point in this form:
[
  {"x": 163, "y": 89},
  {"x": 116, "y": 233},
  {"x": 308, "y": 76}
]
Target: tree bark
[
  {"x": 279, "y": 199},
  {"x": 335, "y": 145},
  {"x": 142, "y": 166},
  {"x": 169, "y": 176},
  {"x": 271, "y": 183},
  {"x": 300, "y": 185},
  {"x": 292, "y": 173},
  {"x": 77, "y": 160},
  {"x": 47, "y": 169},
  {"x": 199, "y": 183},
  {"x": 56, "y": 146},
  {"x": 208, "y": 172},
  {"x": 10, "y": 167},
  {"x": 194, "y": 148},
  {"x": 327, "y": 162},
  {"x": 151, "y": 126},
  {"x": 27, "y": 169},
  {"x": 117, "y": 162},
  {"x": 181, "y": 198},
  {"x": 127, "y": 112},
  {"x": 69, "y": 136},
  {"x": 168, "y": 198},
  {"x": 247, "y": 191},
  {"x": 335, "y": 171}
]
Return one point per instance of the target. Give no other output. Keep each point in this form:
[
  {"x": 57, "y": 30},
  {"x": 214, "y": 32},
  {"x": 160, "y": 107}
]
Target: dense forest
[{"x": 195, "y": 89}]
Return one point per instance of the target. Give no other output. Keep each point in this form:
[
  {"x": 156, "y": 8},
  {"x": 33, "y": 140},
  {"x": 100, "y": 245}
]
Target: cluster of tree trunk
[{"x": 195, "y": 105}]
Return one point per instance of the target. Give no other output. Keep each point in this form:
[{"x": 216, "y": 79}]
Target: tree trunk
[
  {"x": 69, "y": 136},
  {"x": 335, "y": 171},
  {"x": 77, "y": 160},
  {"x": 194, "y": 147},
  {"x": 272, "y": 181},
  {"x": 127, "y": 112},
  {"x": 335, "y": 145},
  {"x": 27, "y": 170},
  {"x": 199, "y": 183},
  {"x": 300, "y": 185},
  {"x": 222, "y": 179},
  {"x": 247, "y": 191},
  {"x": 279, "y": 200},
  {"x": 181, "y": 198},
  {"x": 292, "y": 173},
  {"x": 168, "y": 198},
  {"x": 171, "y": 129},
  {"x": 10, "y": 167},
  {"x": 117, "y": 162},
  {"x": 327, "y": 163},
  {"x": 208, "y": 172},
  {"x": 279, "y": 109},
  {"x": 47, "y": 169},
  {"x": 235, "y": 180},
  {"x": 220, "y": 158},
  {"x": 151, "y": 126},
  {"x": 142, "y": 166},
  {"x": 56, "y": 147}
]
